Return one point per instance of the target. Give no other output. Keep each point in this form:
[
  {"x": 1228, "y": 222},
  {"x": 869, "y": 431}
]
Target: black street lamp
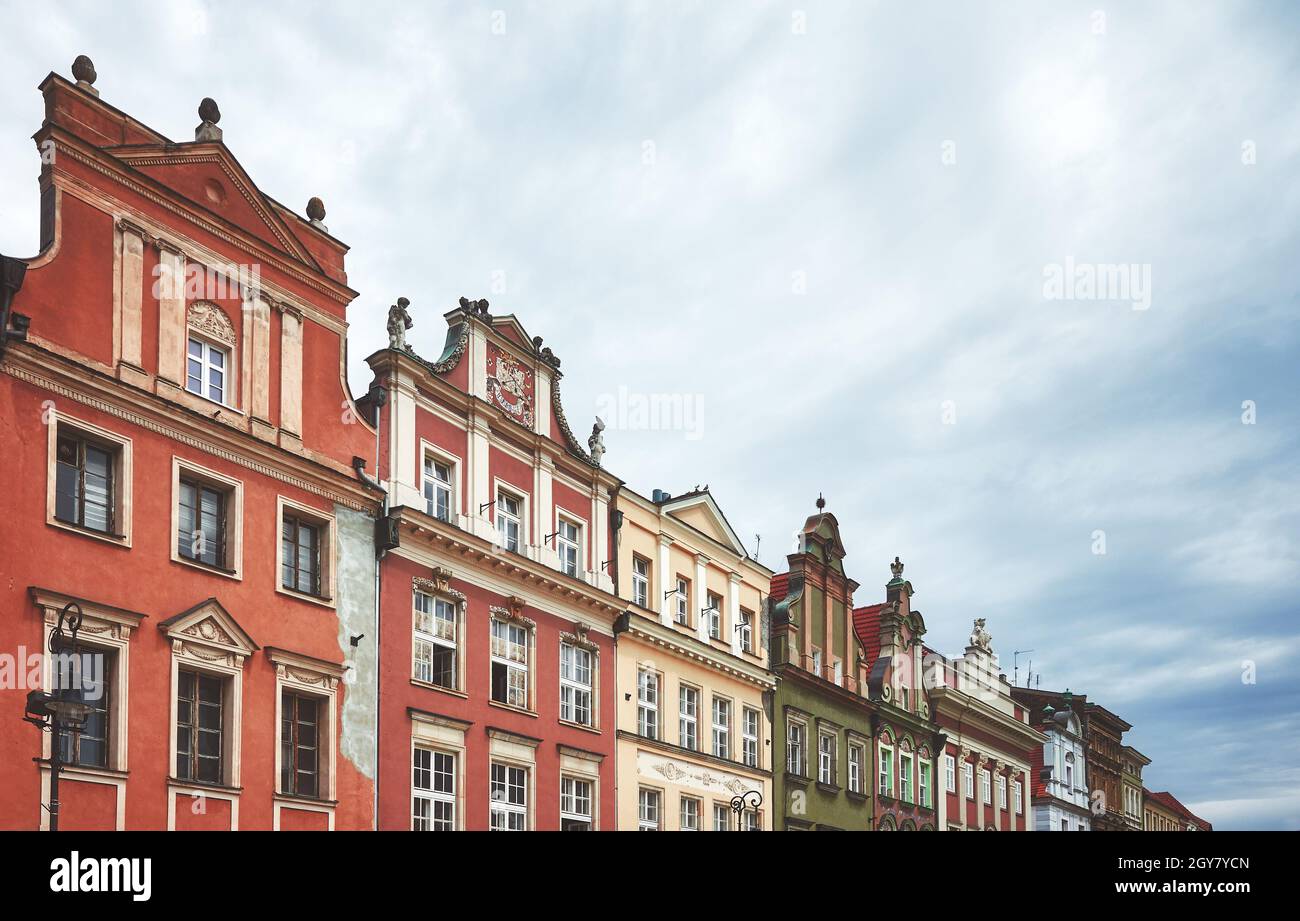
[
  {"x": 750, "y": 799},
  {"x": 63, "y": 709}
]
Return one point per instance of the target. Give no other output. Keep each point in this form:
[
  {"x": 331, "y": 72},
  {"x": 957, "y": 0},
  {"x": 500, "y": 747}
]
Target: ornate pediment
[
  {"x": 207, "y": 631},
  {"x": 210, "y": 320}
]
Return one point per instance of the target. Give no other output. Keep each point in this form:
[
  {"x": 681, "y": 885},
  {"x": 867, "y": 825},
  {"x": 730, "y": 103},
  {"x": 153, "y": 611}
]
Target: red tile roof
[
  {"x": 866, "y": 624},
  {"x": 1170, "y": 802}
]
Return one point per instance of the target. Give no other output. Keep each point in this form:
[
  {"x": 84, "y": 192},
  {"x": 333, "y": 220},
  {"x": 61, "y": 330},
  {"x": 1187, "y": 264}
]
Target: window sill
[
  {"x": 208, "y": 568},
  {"x": 321, "y": 600},
  {"x": 85, "y": 770},
  {"x": 513, "y": 709},
  {"x": 295, "y": 799},
  {"x": 118, "y": 540},
  {"x": 430, "y": 686},
  {"x": 583, "y": 726},
  {"x": 857, "y": 795},
  {"x": 201, "y": 785},
  {"x": 798, "y": 779}
]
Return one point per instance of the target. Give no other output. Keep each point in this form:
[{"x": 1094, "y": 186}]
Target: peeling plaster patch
[{"x": 356, "y": 611}]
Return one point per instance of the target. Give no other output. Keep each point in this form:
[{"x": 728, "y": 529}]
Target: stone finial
[
  {"x": 399, "y": 321},
  {"x": 210, "y": 115},
  {"x": 316, "y": 212},
  {"x": 83, "y": 71},
  {"x": 821, "y": 503},
  {"x": 896, "y": 568}
]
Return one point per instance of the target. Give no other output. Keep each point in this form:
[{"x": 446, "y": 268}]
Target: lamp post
[
  {"x": 62, "y": 709},
  {"x": 750, "y": 799}
]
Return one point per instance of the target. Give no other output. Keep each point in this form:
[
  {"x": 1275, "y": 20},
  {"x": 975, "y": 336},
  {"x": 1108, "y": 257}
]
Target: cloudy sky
[{"x": 824, "y": 239}]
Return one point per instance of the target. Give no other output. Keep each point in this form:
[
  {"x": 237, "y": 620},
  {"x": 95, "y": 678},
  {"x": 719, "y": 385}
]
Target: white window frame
[
  {"x": 714, "y": 610},
  {"x": 641, "y": 581},
  {"x": 512, "y": 667},
  {"x": 503, "y": 519},
  {"x": 1002, "y": 792},
  {"x": 986, "y": 787},
  {"x": 574, "y": 685},
  {"x": 645, "y": 798},
  {"x": 885, "y": 774},
  {"x": 968, "y": 779},
  {"x": 503, "y": 809},
  {"x": 430, "y": 795},
  {"x": 857, "y": 756},
  {"x": 435, "y": 637},
  {"x": 683, "y": 615},
  {"x": 689, "y": 822},
  {"x": 906, "y": 762},
  {"x": 429, "y": 482},
  {"x": 746, "y": 630},
  {"x": 722, "y": 817},
  {"x": 207, "y": 349},
  {"x": 795, "y": 748},
  {"x": 924, "y": 782},
  {"x": 817, "y": 662},
  {"x": 749, "y": 739},
  {"x": 648, "y": 692},
  {"x": 566, "y": 547},
  {"x": 570, "y": 801},
  {"x": 688, "y": 720},
  {"x": 949, "y": 774},
  {"x": 721, "y": 733},
  {"x": 826, "y": 757},
  {"x": 1020, "y": 798}
]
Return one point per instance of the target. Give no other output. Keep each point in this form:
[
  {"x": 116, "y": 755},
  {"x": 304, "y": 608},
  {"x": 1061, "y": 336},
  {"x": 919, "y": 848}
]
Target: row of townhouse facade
[{"x": 432, "y": 607}]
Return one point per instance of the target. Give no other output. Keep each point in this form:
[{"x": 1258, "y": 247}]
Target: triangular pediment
[
  {"x": 209, "y": 624},
  {"x": 701, "y": 512},
  {"x": 209, "y": 177},
  {"x": 509, "y": 327}
]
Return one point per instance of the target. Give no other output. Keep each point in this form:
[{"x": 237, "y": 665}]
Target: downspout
[{"x": 620, "y": 624}]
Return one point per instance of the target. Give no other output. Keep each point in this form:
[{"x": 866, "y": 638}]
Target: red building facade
[
  {"x": 497, "y": 649},
  {"x": 180, "y": 441}
]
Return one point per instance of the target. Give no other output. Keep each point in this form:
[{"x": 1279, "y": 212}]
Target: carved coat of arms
[{"x": 510, "y": 385}]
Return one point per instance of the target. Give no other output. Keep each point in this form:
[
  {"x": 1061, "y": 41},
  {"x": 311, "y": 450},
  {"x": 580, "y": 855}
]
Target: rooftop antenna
[{"x": 1015, "y": 678}]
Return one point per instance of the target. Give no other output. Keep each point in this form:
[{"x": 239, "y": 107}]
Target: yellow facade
[{"x": 694, "y": 731}]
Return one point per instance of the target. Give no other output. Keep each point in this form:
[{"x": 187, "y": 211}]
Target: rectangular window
[
  {"x": 509, "y": 663},
  {"x": 690, "y": 814},
  {"x": 201, "y": 523},
  {"x": 749, "y": 737},
  {"x": 825, "y": 758},
  {"x": 855, "y": 768},
  {"x": 641, "y": 581},
  {"x": 837, "y": 670},
  {"x": 508, "y": 521},
  {"x": 647, "y": 810},
  {"x": 84, "y": 483},
  {"x": 1019, "y": 801},
  {"x": 299, "y": 744},
  {"x": 433, "y": 787},
  {"x": 986, "y": 787},
  {"x": 968, "y": 779},
  {"x": 575, "y": 804},
  {"x": 715, "y": 616},
  {"x": 817, "y": 662},
  {"x": 301, "y": 555},
  {"x": 721, "y": 817},
  {"x": 721, "y": 727},
  {"x": 683, "y": 601},
  {"x": 437, "y": 488},
  {"x": 905, "y": 776},
  {"x": 950, "y": 773},
  {"x": 509, "y": 798},
  {"x": 205, "y": 372},
  {"x": 200, "y": 726},
  {"x": 794, "y": 748},
  {"x": 568, "y": 542},
  {"x": 434, "y": 641},
  {"x": 1065, "y": 824},
  {"x": 750, "y": 820},
  {"x": 886, "y": 772},
  {"x": 575, "y": 684},
  {"x": 746, "y": 630},
  {"x": 647, "y": 703},
  {"x": 1002, "y": 792},
  {"x": 688, "y": 708},
  {"x": 924, "y": 773},
  {"x": 89, "y": 748}
]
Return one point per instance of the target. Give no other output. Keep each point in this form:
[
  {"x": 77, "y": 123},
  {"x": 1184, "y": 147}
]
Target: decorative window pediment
[
  {"x": 208, "y": 632},
  {"x": 512, "y": 611},
  {"x": 210, "y": 320},
  {"x": 440, "y": 584},
  {"x": 580, "y": 637}
]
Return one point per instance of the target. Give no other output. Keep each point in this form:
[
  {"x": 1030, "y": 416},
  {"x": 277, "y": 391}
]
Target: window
[
  {"x": 688, "y": 707},
  {"x": 690, "y": 814},
  {"x": 299, "y": 744},
  {"x": 437, "y": 488},
  {"x": 575, "y": 684},
  {"x": 750, "y": 820},
  {"x": 433, "y": 791},
  {"x": 434, "y": 642},
  {"x": 200, "y": 726},
  {"x": 89, "y": 747},
  {"x": 950, "y": 773},
  {"x": 508, "y": 520},
  {"x": 968, "y": 779},
  {"x": 749, "y": 736},
  {"x": 1002, "y": 792},
  {"x": 1019, "y": 800},
  {"x": 721, "y": 727},
  {"x": 575, "y": 804},
  {"x": 855, "y": 768},
  {"x": 641, "y": 581},
  {"x": 825, "y": 758},
  {"x": 1065, "y": 824},
  {"x": 887, "y": 772},
  {"x": 715, "y": 616},
  {"x": 721, "y": 817},
  {"x": 647, "y": 703},
  {"x": 647, "y": 810},
  {"x": 905, "y": 776},
  {"x": 568, "y": 543},
  {"x": 300, "y": 564},
  {"x": 201, "y": 523},
  {"x": 1069, "y": 772},
  {"x": 746, "y": 630},
  {"x": 794, "y": 736},
  {"x": 683, "y": 601},
  {"x": 84, "y": 486},
  {"x": 205, "y": 372},
  {"x": 817, "y": 662},
  {"x": 509, "y": 798},
  {"x": 986, "y": 787},
  {"x": 923, "y": 772},
  {"x": 838, "y": 672},
  {"x": 509, "y": 663},
  {"x": 904, "y": 697}
]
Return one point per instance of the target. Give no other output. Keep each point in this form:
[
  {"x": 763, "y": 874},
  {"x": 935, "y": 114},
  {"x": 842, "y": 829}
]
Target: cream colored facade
[{"x": 694, "y": 726}]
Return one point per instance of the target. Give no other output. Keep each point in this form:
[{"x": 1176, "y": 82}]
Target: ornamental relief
[
  {"x": 209, "y": 319},
  {"x": 690, "y": 775},
  {"x": 209, "y": 630},
  {"x": 510, "y": 385}
]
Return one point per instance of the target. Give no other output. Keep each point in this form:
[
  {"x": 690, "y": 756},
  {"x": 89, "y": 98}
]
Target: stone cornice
[{"x": 651, "y": 631}]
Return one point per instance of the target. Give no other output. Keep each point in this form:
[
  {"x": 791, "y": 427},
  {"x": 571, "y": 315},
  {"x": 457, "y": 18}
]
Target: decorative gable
[
  {"x": 701, "y": 512},
  {"x": 207, "y": 631}
]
